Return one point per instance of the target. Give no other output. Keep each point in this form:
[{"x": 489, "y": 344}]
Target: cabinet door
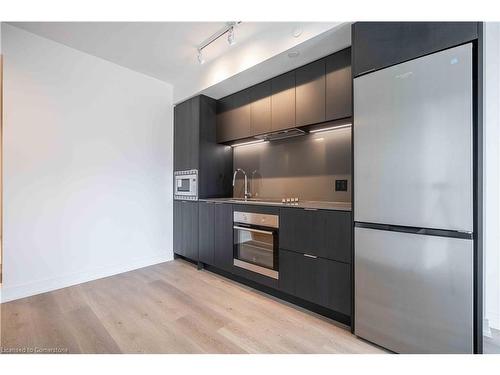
[
  {"x": 332, "y": 235},
  {"x": 310, "y": 93},
  {"x": 233, "y": 117},
  {"x": 177, "y": 232},
  {"x": 295, "y": 232},
  {"x": 186, "y": 135},
  {"x": 206, "y": 230},
  {"x": 338, "y": 85},
  {"x": 260, "y": 108},
  {"x": 189, "y": 230},
  {"x": 283, "y": 101},
  {"x": 321, "y": 233},
  {"x": 223, "y": 248},
  {"x": 321, "y": 281},
  {"x": 377, "y": 45}
]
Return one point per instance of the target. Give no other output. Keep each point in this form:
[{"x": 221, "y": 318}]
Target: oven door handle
[{"x": 253, "y": 230}]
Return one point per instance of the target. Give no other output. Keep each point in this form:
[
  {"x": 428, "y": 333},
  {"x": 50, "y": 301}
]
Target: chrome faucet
[{"x": 247, "y": 194}]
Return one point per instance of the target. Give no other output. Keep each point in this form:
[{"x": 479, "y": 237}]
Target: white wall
[
  {"x": 0, "y": 150},
  {"x": 492, "y": 174},
  {"x": 87, "y": 167}
]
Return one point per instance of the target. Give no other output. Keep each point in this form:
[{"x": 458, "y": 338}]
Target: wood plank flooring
[{"x": 169, "y": 308}]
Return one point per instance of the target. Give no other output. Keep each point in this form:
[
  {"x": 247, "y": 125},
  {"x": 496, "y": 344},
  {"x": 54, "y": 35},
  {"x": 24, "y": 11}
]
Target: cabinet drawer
[
  {"x": 323, "y": 233},
  {"x": 324, "y": 282}
]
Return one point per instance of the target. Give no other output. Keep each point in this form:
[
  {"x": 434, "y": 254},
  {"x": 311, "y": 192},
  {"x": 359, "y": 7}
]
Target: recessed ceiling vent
[{"x": 282, "y": 134}]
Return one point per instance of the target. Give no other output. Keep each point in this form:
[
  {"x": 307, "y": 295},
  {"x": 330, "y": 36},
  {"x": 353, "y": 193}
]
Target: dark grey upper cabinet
[
  {"x": 224, "y": 112},
  {"x": 318, "y": 92},
  {"x": 283, "y": 101},
  {"x": 186, "y": 229},
  {"x": 223, "y": 238},
  {"x": 233, "y": 117},
  {"x": 338, "y": 85},
  {"x": 310, "y": 93},
  {"x": 186, "y": 135},
  {"x": 322, "y": 233},
  {"x": 324, "y": 282},
  {"x": 260, "y": 108},
  {"x": 216, "y": 161},
  {"x": 206, "y": 230},
  {"x": 195, "y": 146},
  {"x": 377, "y": 45}
]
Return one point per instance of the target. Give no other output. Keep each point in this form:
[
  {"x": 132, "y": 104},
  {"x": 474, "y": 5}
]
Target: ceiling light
[
  {"x": 230, "y": 36},
  {"x": 249, "y": 143},
  {"x": 297, "y": 31},
  {"x": 329, "y": 128},
  {"x": 228, "y": 29},
  {"x": 201, "y": 60}
]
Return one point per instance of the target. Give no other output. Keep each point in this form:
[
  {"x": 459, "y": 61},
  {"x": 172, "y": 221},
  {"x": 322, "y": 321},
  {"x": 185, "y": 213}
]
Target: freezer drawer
[
  {"x": 414, "y": 293},
  {"x": 413, "y": 143}
]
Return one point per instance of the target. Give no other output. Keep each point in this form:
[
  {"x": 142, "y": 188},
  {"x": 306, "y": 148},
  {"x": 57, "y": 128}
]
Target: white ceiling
[{"x": 167, "y": 50}]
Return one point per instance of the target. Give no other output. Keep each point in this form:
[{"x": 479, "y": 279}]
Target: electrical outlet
[{"x": 340, "y": 185}]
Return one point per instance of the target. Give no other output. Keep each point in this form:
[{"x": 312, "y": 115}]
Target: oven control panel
[{"x": 251, "y": 218}]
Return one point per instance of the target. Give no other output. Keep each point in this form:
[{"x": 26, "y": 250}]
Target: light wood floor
[{"x": 170, "y": 308}]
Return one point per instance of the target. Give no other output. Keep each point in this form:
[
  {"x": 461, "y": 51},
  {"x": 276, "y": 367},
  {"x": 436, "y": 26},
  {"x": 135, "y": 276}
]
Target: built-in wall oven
[
  {"x": 186, "y": 184},
  {"x": 256, "y": 245}
]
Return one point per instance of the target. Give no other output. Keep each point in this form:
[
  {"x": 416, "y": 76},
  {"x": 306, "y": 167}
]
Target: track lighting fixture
[
  {"x": 228, "y": 29},
  {"x": 230, "y": 36}
]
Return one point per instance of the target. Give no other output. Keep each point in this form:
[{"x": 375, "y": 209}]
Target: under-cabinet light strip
[
  {"x": 249, "y": 143},
  {"x": 330, "y": 128}
]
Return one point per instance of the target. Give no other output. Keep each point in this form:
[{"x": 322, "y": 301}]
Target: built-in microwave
[{"x": 186, "y": 184}]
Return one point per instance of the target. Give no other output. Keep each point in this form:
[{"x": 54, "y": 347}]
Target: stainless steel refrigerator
[{"x": 413, "y": 204}]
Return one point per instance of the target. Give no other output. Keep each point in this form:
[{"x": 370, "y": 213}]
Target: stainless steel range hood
[{"x": 281, "y": 134}]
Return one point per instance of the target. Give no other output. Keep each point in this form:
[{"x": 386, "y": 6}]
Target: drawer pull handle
[
  {"x": 310, "y": 209},
  {"x": 311, "y": 256}
]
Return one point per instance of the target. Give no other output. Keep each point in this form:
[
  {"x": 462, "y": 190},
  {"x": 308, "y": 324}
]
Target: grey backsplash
[{"x": 305, "y": 167}]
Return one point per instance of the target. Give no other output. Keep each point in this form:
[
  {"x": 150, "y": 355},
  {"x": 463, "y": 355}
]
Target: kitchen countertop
[{"x": 317, "y": 205}]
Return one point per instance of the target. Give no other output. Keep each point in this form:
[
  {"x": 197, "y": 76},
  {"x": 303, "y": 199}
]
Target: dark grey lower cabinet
[
  {"x": 215, "y": 234},
  {"x": 323, "y": 233},
  {"x": 324, "y": 282},
  {"x": 177, "y": 233},
  {"x": 223, "y": 236},
  {"x": 186, "y": 229},
  {"x": 206, "y": 225}
]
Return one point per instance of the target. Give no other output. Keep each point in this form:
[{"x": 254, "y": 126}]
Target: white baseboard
[
  {"x": 493, "y": 318},
  {"x": 486, "y": 328},
  {"x": 10, "y": 293}
]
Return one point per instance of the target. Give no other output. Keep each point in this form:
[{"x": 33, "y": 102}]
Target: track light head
[
  {"x": 201, "y": 60},
  {"x": 230, "y": 36}
]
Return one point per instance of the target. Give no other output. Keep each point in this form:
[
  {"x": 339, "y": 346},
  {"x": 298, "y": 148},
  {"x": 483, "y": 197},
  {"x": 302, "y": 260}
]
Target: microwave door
[{"x": 183, "y": 185}]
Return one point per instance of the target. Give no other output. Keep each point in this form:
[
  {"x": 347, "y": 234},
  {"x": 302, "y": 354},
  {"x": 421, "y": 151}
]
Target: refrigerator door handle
[{"x": 415, "y": 230}]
